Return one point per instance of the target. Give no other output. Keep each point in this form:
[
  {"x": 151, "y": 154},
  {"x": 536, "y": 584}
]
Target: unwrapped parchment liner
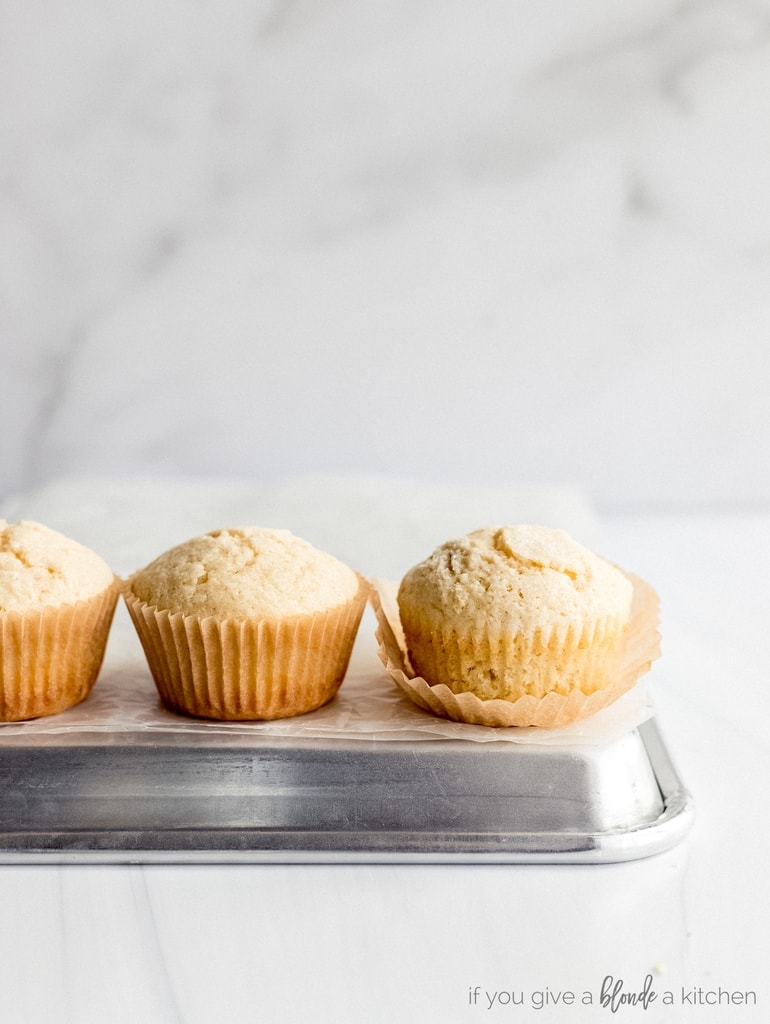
[
  {"x": 246, "y": 669},
  {"x": 640, "y": 647},
  {"x": 50, "y": 658}
]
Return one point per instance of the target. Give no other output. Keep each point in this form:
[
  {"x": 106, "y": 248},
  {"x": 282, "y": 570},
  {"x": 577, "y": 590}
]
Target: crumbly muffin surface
[
  {"x": 521, "y": 579},
  {"x": 245, "y": 572},
  {"x": 40, "y": 568}
]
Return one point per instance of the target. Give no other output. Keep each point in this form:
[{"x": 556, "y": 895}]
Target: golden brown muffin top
[
  {"x": 40, "y": 568},
  {"x": 245, "y": 572},
  {"x": 518, "y": 578}
]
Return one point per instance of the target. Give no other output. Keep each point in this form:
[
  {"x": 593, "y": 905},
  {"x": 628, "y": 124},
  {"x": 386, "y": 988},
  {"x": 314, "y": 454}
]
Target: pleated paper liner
[
  {"x": 247, "y": 669},
  {"x": 640, "y": 646},
  {"x": 50, "y": 659}
]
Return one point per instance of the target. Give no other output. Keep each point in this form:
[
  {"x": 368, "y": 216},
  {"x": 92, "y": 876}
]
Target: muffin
[
  {"x": 518, "y": 625},
  {"x": 57, "y": 599},
  {"x": 246, "y": 624}
]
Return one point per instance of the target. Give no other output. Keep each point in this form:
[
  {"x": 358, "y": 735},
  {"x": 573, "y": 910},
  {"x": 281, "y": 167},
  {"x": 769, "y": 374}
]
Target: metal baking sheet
[{"x": 138, "y": 798}]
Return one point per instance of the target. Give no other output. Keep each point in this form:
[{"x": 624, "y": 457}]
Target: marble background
[{"x": 494, "y": 241}]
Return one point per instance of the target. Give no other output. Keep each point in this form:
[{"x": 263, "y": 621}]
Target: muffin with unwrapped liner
[
  {"x": 518, "y": 625},
  {"x": 246, "y": 623},
  {"x": 57, "y": 599}
]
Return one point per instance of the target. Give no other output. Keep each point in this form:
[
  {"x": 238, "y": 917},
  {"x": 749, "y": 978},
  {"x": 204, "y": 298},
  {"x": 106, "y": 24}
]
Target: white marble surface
[
  {"x": 494, "y": 242},
  {"x": 523, "y": 241},
  {"x": 287, "y": 944}
]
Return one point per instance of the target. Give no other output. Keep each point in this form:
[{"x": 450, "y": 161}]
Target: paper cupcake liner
[
  {"x": 640, "y": 646},
  {"x": 50, "y": 659},
  {"x": 493, "y": 664},
  {"x": 246, "y": 669}
]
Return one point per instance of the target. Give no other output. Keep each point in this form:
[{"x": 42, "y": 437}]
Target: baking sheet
[
  {"x": 370, "y": 777},
  {"x": 224, "y": 799}
]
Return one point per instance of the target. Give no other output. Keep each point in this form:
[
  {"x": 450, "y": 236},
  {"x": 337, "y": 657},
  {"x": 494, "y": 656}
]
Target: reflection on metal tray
[{"x": 88, "y": 798}]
